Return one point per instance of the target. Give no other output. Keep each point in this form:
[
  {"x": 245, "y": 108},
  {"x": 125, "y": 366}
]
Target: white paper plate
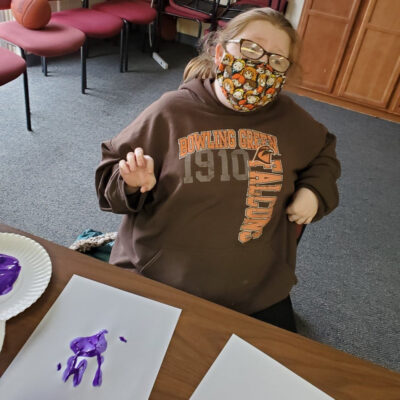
[{"x": 34, "y": 276}]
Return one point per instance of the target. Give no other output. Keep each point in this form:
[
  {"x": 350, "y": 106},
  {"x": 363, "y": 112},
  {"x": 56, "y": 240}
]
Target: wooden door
[
  {"x": 395, "y": 103},
  {"x": 373, "y": 70},
  {"x": 324, "y": 29}
]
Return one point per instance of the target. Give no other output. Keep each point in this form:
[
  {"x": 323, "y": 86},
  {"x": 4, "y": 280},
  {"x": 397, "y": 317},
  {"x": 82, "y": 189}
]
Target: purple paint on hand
[
  {"x": 58, "y": 366},
  {"x": 90, "y": 346},
  {"x": 122, "y": 339},
  {"x": 9, "y": 271}
]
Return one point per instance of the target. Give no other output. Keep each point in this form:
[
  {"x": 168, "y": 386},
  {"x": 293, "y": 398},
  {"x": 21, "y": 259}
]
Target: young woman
[{"x": 213, "y": 177}]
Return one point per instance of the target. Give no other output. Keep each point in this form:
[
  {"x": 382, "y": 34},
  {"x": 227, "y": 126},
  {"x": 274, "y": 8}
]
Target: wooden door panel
[
  {"x": 340, "y": 8},
  {"x": 322, "y": 45},
  {"x": 374, "y": 66},
  {"x": 395, "y": 103},
  {"x": 375, "y": 70},
  {"x": 324, "y": 28},
  {"x": 386, "y": 15}
]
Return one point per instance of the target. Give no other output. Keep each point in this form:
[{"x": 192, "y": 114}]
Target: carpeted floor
[{"x": 348, "y": 264}]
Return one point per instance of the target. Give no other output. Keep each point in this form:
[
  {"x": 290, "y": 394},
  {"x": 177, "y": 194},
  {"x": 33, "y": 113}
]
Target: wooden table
[{"x": 201, "y": 333}]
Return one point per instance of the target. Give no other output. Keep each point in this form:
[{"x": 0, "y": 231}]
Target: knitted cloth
[{"x": 95, "y": 244}]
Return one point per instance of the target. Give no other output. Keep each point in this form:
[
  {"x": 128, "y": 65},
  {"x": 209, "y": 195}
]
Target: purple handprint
[{"x": 90, "y": 346}]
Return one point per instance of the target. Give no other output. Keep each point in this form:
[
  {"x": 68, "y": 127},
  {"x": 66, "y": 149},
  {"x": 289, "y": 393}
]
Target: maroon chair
[
  {"x": 203, "y": 13},
  {"x": 11, "y": 67},
  {"x": 138, "y": 12},
  {"x": 94, "y": 24},
  {"x": 233, "y": 9},
  {"x": 52, "y": 41},
  {"x": 278, "y": 5},
  {"x": 221, "y": 23}
]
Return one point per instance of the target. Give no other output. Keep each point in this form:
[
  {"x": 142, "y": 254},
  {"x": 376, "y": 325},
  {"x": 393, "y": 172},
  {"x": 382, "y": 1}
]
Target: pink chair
[
  {"x": 11, "y": 67},
  {"x": 94, "y": 24},
  {"x": 52, "y": 41},
  {"x": 138, "y": 12}
]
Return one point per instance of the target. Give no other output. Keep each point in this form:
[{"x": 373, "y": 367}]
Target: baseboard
[{"x": 340, "y": 102}]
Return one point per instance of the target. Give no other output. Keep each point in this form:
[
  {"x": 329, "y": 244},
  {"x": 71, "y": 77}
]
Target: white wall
[{"x": 293, "y": 11}]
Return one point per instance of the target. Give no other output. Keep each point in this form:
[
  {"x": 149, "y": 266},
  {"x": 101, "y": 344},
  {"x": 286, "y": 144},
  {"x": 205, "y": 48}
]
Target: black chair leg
[
  {"x": 27, "y": 105},
  {"x": 150, "y": 36},
  {"x": 154, "y": 39},
  {"x": 127, "y": 26},
  {"x": 144, "y": 28},
  {"x": 83, "y": 67},
  {"x": 155, "y": 29},
  {"x": 122, "y": 49},
  {"x": 199, "y": 30},
  {"x": 43, "y": 61},
  {"x": 26, "y": 93}
]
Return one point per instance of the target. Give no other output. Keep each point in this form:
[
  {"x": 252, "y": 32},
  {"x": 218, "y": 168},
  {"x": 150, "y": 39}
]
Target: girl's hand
[
  {"x": 137, "y": 171},
  {"x": 303, "y": 207}
]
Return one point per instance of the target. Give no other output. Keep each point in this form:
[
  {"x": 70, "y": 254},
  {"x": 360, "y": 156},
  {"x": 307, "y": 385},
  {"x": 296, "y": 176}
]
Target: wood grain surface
[{"x": 201, "y": 333}]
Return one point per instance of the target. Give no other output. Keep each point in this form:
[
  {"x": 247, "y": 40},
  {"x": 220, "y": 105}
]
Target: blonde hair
[{"x": 203, "y": 66}]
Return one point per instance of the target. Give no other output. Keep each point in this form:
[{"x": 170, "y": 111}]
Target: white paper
[
  {"x": 242, "y": 372},
  {"x": 84, "y": 308}
]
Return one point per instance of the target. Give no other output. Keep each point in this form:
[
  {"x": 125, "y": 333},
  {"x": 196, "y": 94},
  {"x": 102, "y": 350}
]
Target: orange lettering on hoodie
[
  {"x": 260, "y": 207},
  {"x": 200, "y": 141},
  {"x": 183, "y": 147}
]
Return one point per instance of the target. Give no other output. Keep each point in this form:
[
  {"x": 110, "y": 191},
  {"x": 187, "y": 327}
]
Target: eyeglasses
[{"x": 254, "y": 51}]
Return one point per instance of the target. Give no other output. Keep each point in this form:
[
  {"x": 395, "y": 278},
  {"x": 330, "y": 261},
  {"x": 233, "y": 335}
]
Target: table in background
[{"x": 202, "y": 331}]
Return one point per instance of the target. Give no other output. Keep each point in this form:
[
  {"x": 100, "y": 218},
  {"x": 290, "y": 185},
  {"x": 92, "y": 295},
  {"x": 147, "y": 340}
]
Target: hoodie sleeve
[
  {"x": 320, "y": 176},
  {"x": 149, "y": 131}
]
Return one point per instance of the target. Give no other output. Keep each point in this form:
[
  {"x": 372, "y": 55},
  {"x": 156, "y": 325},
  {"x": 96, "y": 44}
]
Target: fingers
[
  {"x": 299, "y": 220},
  {"x": 290, "y": 212},
  {"x": 131, "y": 161},
  {"x": 303, "y": 207},
  {"x": 300, "y": 217},
  {"x": 296, "y": 218},
  {"x": 148, "y": 186},
  {"x": 138, "y": 170},
  {"x": 139, "y": 157},
  {"x": 149, "y": 162},
  {"x": 124, "y": 168}
]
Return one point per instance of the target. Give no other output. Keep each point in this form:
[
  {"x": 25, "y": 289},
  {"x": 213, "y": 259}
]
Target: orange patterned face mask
[{"x": 248, "y": 84}]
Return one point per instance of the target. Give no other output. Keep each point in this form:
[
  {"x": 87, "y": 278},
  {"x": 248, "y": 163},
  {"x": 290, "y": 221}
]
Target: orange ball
[{"x": 32, "y": 14}]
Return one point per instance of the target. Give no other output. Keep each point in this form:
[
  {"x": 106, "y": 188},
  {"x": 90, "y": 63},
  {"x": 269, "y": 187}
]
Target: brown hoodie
[{"x": 215, "y": 223}]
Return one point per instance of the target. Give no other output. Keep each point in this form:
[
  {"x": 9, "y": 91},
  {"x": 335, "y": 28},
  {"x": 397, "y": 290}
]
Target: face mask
[{"x": 248, "y": 84}]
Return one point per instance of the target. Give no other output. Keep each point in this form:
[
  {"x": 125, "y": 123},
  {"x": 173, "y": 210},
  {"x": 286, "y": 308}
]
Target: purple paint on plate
[
  {"x": 9, "y": 271},
  {"x": 58, "y": 366},
  {"x": 122, "y": 339},
  {"x": 90, "y": 346}
]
